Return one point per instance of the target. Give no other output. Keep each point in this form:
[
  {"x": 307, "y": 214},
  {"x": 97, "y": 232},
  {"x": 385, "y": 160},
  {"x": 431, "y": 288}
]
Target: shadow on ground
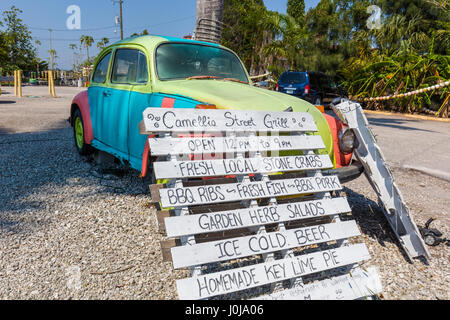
[
  {"x": 28, "y": 131},
  {"x": 395, "y": 123},
  {"x": 39, "y": 171},
  {"x": 371, "y": 220}
]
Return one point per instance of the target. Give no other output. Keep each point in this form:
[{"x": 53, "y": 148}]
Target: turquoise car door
[
  {"x": 140, "y": 99},
  {"x": 114, "y": 131},
  {"x": 99, "y": 84}
]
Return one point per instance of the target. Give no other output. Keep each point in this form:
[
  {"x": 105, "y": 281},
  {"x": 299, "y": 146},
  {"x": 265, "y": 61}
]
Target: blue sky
[{"x": 170, "y": 17}]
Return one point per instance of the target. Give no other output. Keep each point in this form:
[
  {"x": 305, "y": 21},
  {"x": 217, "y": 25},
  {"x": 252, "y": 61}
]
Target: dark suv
[{"x": 314, "y": 87}]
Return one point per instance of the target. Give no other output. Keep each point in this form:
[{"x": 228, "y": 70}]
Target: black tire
[{"x": 82, "y": 147}]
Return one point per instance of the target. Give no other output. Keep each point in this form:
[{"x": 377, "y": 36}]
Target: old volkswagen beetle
[{"x": 155, "y": 71}]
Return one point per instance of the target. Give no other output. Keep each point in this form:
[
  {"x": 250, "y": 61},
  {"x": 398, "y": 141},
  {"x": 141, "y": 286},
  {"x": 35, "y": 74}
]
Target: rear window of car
[
  {"x": 130, "y": 67},
  {"x": 293, "y": 77},
  {"x": 101, "y": 69}
]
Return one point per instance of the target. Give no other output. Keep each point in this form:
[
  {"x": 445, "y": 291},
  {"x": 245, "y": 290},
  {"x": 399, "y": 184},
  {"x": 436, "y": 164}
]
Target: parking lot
[{"x": 69, "y": 231}]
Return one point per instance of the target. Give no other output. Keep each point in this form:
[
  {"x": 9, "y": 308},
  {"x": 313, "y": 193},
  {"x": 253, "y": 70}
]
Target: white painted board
[
  {"x": 255, "y": 216},
  {"x": 251, "y": 276},
  {"x": 219, "y": 145},
  {"x": 203, "y": 120},
  {"x": 185, "y": 196},
  {"x": 223, "y": 167},
  {"x": 354, "y": 285},
  {"x": 228, "y": 249}
]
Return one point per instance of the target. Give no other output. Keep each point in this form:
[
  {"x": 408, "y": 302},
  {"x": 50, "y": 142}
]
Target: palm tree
[
  {"x": 289, "y": 38},
  {"x": 73, "y": 46},
  {"x": 38, "y": 43},
  {"x": 102, "y": 43},
  {"x": 81, "y": 47},
  {"x": 52, "y": 58},
  {"x": 87, "y": 41}
]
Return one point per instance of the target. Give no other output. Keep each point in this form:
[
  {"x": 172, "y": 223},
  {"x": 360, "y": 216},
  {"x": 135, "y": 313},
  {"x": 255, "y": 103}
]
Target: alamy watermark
[
  {"x": 74, "y": 277},
  {"x": 73, "y": 22},
  {"x": 374, "y": 21}
]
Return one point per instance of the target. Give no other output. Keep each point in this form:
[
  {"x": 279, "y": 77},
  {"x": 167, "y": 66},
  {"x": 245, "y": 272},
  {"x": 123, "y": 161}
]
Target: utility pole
[
  {"x": 121, "y": 20},
  {"x": 51, "y": 50},
  {"x": 121, "y": 15}
]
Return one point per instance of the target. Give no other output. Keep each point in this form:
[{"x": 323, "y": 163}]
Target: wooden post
[
  {"x": 15, "y": 83},
  {"x": 19, "y": 82},
  {"x": 51, "y": 84},
  {"x": 53, "y": 88},
  {"x": 48, "y": 77}
]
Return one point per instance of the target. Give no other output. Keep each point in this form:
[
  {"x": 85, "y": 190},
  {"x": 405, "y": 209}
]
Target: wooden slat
[
  {"x": 160, "y": 216},
  {"x": 205, "y": 146},
  {"x": 185, "y": 120},
  {"x": 166, "y": 246},
  {"x": 215, "y": 251},
  {"x": 154, "y": 192},
  {"x": 250, "y": 217},
  {"x": 237, "y": 279},
  {"x": 175, "y": 197},
  {"x": 354, "y": 285},
  {"x": 223, "y": 167}
]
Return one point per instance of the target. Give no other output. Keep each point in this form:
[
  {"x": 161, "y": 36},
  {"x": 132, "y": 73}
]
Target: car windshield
[
  {"x": 292, "y": 77},
  {"x": 192, "y": 61}
]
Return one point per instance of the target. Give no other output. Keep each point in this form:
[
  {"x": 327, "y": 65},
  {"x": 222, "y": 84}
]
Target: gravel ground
[
  {"x": 67, "y": 231},
  {"x": 61, "y": 220}
]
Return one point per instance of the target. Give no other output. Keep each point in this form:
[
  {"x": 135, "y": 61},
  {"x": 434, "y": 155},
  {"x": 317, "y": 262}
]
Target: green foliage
[
  {"x": 245, "y": 32},
  {"x": 143, "y": 33},
  {"x": 16, "y": 46},
  {"x": 401, "y": 72},
  {"x": 409, "y": 52},
  {"x": 102, "y": 43},
  {"x": 296, "y": 9}
]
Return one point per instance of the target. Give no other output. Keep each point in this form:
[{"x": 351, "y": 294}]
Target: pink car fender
[{"x": 81, "y": 102}]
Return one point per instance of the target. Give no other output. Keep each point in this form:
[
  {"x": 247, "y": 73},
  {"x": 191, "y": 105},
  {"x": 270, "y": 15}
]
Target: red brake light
[
  {"x": 307, "y": 89},
  {"x": 278, "y": 87}
]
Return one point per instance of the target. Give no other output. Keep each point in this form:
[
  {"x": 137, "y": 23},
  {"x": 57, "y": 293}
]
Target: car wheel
[
  {"x": 78, "y": 134},
  {"x": 318, "y": 101}
]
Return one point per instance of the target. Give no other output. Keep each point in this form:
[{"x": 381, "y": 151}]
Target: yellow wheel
[{"x": 78, "y": 133}]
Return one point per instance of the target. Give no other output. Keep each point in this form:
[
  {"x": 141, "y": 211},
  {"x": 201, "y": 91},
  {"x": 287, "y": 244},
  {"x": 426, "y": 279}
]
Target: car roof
[{"x": 152, "y": 41}]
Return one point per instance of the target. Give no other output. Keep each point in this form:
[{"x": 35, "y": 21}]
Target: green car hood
[{"x": 238, "y": 96}]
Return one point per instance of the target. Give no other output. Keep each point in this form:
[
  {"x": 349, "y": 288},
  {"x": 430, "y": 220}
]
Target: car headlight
[{"x": 347, "y": 140}]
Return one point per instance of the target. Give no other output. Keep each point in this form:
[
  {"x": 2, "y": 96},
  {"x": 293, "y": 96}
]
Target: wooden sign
[
  {"x": 176, "y": 197},
  {"x": 228, "y": 249},
  {"x": 228, "y": 281},
  {"x": 248, "y": 217},
  {"x": 204, "y": 120},
  {"x": 354, "y": 285},
  {"x": 223, "y": 167},
  {"x": 218, "y": 145}
]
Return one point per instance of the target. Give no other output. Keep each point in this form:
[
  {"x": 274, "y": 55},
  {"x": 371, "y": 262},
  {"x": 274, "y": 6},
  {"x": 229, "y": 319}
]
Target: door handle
[{"x": 106, "y": 93}]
